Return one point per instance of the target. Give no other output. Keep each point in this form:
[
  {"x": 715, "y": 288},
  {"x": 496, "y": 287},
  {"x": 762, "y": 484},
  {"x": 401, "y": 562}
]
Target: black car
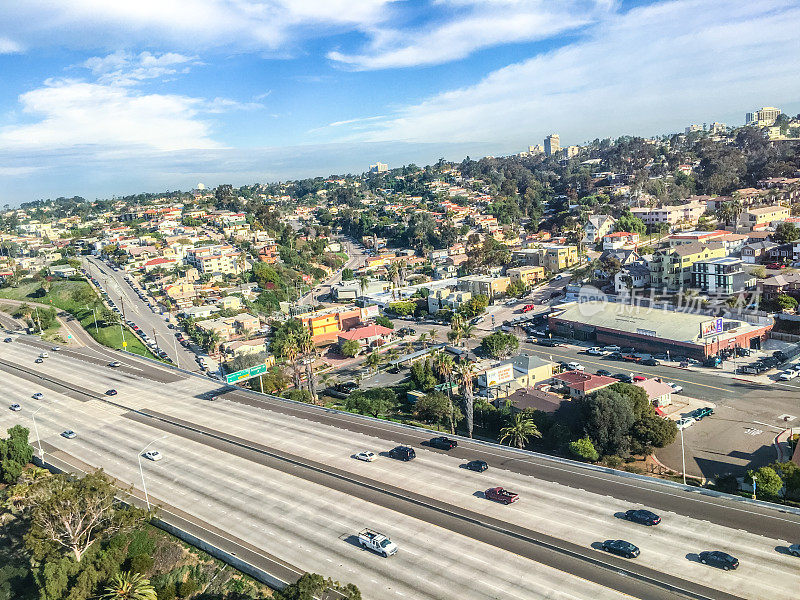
[
  {"x": 623, "y": 378},
  {"x": 650, "y": 362},
  {"x": 8, "y": 340},
  {"x": 478, "y": 466},
  {"x": 615, "y": 356},
  {"x": 660, "y": 356},
  {"x": 443, "y": 443},
  {"x": 643, "y": 517},
  {"x": 780, "y": 356},
  {"x": 548, "y": 343},
  {"x": 111, "y": 392},
  {"x": 402, "y": 453},
  {"x": 603, "y": 373},
  {"x": 620, "y": 548},
  {"x": 628, "y": 350},
  {"x": 721, "y": 560}
]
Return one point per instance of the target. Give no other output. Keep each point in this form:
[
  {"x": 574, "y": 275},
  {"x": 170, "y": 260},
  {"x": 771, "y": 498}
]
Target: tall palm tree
[
  {"x": 306, "y": 347},
  {"x": 467, "y": 331},
  {"x": 456, "y": 325},
  {"x": 363, "y": 282},
  {"x": 519, "y": 431},
  {"x": 290, "y": 351},
  {"x": 394, "y": 275},
  {"x": 432, "y": 335},
  {"x": 465, "y": 376},
  {"x": 445, "y": 365},
  {"x": 374, "y": 360},
  {"x": 129, "y": 586}
]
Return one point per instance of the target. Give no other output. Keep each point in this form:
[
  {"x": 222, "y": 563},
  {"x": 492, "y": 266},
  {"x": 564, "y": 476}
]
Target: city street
[{"x": 308, "y": 518}]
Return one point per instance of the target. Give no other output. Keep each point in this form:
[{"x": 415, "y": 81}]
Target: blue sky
[{"x": 102, "y": 98}]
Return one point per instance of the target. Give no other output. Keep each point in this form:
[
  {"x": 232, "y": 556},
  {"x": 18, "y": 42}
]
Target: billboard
[
  {"x": 370, "y": 312},
  {"x": 711, "y": 327},
  {"x": 498, "y": 375}
]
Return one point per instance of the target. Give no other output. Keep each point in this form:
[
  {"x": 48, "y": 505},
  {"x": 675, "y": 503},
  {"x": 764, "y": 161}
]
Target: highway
[
  {"x": 136, "y": 310},
  {"x": 280, "y": 476}
]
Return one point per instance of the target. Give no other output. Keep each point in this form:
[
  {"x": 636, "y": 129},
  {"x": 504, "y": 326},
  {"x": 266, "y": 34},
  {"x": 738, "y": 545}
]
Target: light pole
[
  {"x": 38, "y": 439},
  {"x": 683, "y": 459},
  {"x": 754, "y": 486},
  {"x": 141, "y": 470}
]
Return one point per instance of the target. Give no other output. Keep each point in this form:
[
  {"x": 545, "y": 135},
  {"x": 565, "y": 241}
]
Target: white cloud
[
  {"x": 651, "y": 69},
  {"x": 9, "y": 46},
  {"x": 477, "y": 25},
  {"x": 124, "y": 68},
  {"x": 70, "y": 113}
]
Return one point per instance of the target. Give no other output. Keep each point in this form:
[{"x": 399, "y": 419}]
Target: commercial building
[
  {"x": 722, "y": 276},
  {"x": 368, "y": 336},
  {"x": 552, "y": 144},
  {"x": 445, "y": 298},
  {"x": 764, "y": 117},
  {"x": 528, "y": 275},
  {"x": 325, "y": 326},
  {"x": 656, "y": 330},
  {"x": 521, "y": 371},
  {"x": 671, "y": 268}
]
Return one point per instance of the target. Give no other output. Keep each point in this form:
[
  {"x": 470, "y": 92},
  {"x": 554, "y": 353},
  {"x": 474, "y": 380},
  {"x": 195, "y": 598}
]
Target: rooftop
[{"x": 584, "y": 382}]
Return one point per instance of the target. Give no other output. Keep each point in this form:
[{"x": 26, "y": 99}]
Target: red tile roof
[
  {"x": 369, "y": 331},
  {"x": 584, "y": 382}
]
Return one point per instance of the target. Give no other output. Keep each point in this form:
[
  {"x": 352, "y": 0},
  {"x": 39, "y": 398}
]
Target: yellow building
[
  {"x": 671, "y": 268},
  {"x": 529, "y": 276},
  {"x": 757, "y": 218},
  {"x": 552, "y": 257}
]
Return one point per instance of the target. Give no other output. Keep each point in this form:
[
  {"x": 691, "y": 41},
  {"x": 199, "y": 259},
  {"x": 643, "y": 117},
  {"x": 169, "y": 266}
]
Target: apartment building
[
  {"x": 221, "y": 258},
  {"x": 689, "y": 212},
  {"x": 528, "y": 275},
  {"x": 759, "y": 218},
  {"x": 722, "y": 276},
  {"x": 445, "y": 298},
  {"x": 552, "y": 144},
  {"x": 671, "y": 268},
  {"x": 484, "y": 284},
  {"x": 620, "y": 239},
  {"x": 597, "y": 227},
  {"x": 552, "y": 257}
]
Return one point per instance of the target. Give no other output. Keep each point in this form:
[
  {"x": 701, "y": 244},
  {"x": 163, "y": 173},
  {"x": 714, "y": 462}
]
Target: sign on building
[
  {"x": 498, "y": 375},
  {"x": 712, "y": 327}
]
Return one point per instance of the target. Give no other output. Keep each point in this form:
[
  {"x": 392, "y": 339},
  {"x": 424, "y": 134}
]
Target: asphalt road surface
[{"x": 280, "y": 476}]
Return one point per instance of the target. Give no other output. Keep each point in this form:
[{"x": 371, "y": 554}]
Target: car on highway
[
  {"x": 8, "y": 340},
  {"x": 366, "y": 456},
  {"x": 502, "y": 495},
  {"x": 69, "y": 434},
  {"x": 719, "y": 559},
  {"x": 479, "y": 466},
  {"x": 38, "y": 396},
  {"x": 402, "y": 453},
  {"x": 794, "y": 550},
  {"x": 442, "y": 443},
  {"x": 642, "y": 517},
  {"x": 623, "y": 378},
  {"x": 44, "y": 355},
  {"x": 378, "y": 542},
  {"x": 620, "y": 548},
  {"x": 676, "y": 389},
  {"x": 153, "y": 455},
  {"x": 575, "y": 366},
  {"x": 115, "y": 363},
  {"x": 603, "y": 373},
  {"x": 39, "y": 360},
  {"x": 55, "y": 349},
  {"x": 685, "y": 422},
  {"x": 594, "y": 351},
  {"x": 111, "y": 392},
  {"x": 15, "y": 407}
]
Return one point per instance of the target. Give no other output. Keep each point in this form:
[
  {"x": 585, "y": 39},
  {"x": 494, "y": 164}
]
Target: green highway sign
[{"x": 246, "y": 374}]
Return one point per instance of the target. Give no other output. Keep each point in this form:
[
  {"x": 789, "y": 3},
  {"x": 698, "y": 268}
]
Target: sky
[{"x": 102, "y": 98}]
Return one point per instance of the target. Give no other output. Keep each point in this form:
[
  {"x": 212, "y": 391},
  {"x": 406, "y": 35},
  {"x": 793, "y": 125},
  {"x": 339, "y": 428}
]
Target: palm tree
[
  {"x": 432, "y": 335},
  {"x": 467, "y": 331},
  {"x": 519, "y": 431},
  {"x": 465, "y": 375},
  {"x": 445, "y": 365},
  {"x": 129, "y": 586},
  {"x": 423, "y": 337},
  {"x": 290, "y": 351},
  {"x": 306, "y": 347},
  {"x": 363, "y": 282},
  {"x": 374, "y": 360},
  {"x": 393, "y": 273}
]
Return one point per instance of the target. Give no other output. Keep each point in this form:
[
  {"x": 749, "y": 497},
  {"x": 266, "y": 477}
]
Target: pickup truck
[
  {"x": 631, "y": 358},
  {"x": 499, "y": 494},
  {"x": 377, "y": 542}
]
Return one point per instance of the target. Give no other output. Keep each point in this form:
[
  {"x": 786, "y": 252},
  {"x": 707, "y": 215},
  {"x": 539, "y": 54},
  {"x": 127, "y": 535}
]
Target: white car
[
  {"x": 611, "y": 348},
  {"x": 15, "y": 407},
  {"x": 55, "y": 349},
  {"x": 595, "y": 351},
  {"x": 153, "y": 455},
  {"x": 676, "y": 389},
  {"x": 38, "y": 396},
  {"x": 44, "y": 355},
  {"x": 685, "y": 422},
  {"x": 115, "y": 363},
  {"x": 787, "y": 375},
  {"x": 575, "y": 366},
  {"x": 366, "y": 456}
]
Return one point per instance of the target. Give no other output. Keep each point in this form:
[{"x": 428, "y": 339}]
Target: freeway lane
[{"x": 217, "y": 415}]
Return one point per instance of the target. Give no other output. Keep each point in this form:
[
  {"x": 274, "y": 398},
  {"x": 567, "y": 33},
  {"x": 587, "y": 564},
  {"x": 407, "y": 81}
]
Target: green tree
[
  {"x": 15, "y": 453},
  {"x": 384, "y": 321},
  {"x": 519, "y": 431},
  {"x": 785, "y": 233},
  {"x": 374, "y": 360},
  {"x": 516, "y": 289},
  {"x": 474, "y": 306},
  {"x": 129, "y": 586},
  {"x": 499, "y": 344},
  {"x": 315, "y": 587},
  {"x": 784, "y": 302},
  {"x": 350, "y": 348},
  {"x": 374, "y": 402},
  {"x": 607, "y": 419},
  {"x": 422, "y": 375},
  {"x": 768, "y": 482},
  {"x": 433, "y": 408},
  {"x": 584, "y": 449},
  {"x": 627, "y": 222},
  {"x": 347, "y": 274}
]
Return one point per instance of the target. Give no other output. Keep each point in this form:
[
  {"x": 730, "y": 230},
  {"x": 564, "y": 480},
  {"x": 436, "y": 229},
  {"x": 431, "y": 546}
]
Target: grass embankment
[{"x": 62, "y": 296}]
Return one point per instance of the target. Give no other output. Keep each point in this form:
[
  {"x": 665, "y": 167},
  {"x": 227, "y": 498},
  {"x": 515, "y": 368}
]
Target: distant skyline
[{"x": 102, "y": 99}]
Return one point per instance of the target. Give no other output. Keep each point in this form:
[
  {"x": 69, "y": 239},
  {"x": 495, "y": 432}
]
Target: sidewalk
[{"x": 782, "y": 447}]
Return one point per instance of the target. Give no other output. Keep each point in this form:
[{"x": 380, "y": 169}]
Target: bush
[
  {"x": 141, "y": 563},
  {"x": 612, "y": 461},
  {"x": 584, "y": 449},
  {"x": 187, "y": 588},
  {"x": 167, "y": 592}
]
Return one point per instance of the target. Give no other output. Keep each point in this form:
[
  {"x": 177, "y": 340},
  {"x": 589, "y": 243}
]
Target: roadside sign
[
  {"x": 246, "y": 374},
  {"x": 124, "y": 344}
]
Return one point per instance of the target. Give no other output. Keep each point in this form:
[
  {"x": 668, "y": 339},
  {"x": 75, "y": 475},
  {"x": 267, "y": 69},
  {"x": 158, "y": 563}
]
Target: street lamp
[
  {"x": 141, "y": 470},
  {"x": 38, "y": 439},
  {"x": 683, "y": 459}
]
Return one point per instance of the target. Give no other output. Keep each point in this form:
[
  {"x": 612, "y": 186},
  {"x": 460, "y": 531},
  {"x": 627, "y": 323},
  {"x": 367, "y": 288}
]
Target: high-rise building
[
  {"x": 764, "y": 117},
  {"x": 379, "y": 168},
  {"x": 535, "y": 149},
  {"x": 717, "y": 127},
  {"x": 552, "y": 144},
  {"x": 570, "y": 151},
  {"x": 693, "y": 127}
]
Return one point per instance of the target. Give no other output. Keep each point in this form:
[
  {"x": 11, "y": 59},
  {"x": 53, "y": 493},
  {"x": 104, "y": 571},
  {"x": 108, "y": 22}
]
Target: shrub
[
  {"x": 187, "y": 588},
  {"x": 141, "y": 563},
  {"x": 584, "y": 449},
  {"x": 612, "y": 461},
  {"x": 167, "y": 592}
]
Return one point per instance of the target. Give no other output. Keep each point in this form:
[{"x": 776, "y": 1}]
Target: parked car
[
  {"x": 501, "y": 495},
  {"x": 620, "y": 548},
  {"x": 153, "y": 455},
  {"x": 594, "y": 351},
  {"x": 676, "y": 389},
  {"x": 15, "y": 407},
  {"x": 721, "y": 560},
  {"x": 650, "y": 362},
  {"x": 637, "y": 378},
  {"x": 701, "y": 413},
  {"x": 623, "y": 378},
  {"x": 685, "y": 422},
  {"x": 631, "y": 358},
  {"x": 479, "y": 466},
  {"x": 69, "y": 434},
  {"x": 611, "y": 348},
  {"x": 377, "y": 542},
  {"x": 403, "y": 453},
  {"x": 575, "y": 366},
  {"x": 660, "y": 356},
  {"x": 628, "y": 350},
  {"x": 787, "y": 375},
  {"x": 443, "y": 443},
  {"x": 547, "y": 343},
  {"x": 603, "y": 373},
  {"x": 366, "y": 456},
  {"x": 614, "y": 356},
  {"x": 643, "y": 517}
]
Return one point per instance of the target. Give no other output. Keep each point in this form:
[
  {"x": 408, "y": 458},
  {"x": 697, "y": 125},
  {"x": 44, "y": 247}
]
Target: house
[
  {"x": 620, "y": 239},
  {"x": 230, "y": 303},
  {"x": 484, "y": 284},
  {"x": 528, "y": 275},
  {"x": 533, "y": 399},
  {"x": 658, "y": 393},
  {"x": 581, "y": 384},
  {"x": 366, "y": 336},
  {"x": 671, "y": 268},
  {"x": 597, "y": 227},
  {"x": 199, "y": 312},
  {"x": 723, "y": 276},
  {"x": 239, "y": 348},
  {"x": 756, "y": 252},
  {"x": 785, "y": 283},
  {"x": 632, "y": 277}
]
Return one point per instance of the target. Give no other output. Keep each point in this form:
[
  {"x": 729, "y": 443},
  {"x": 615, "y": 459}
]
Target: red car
[
  {"x": 499, "y": 494},
  {"x": 631, "y": 358},
  {"x": 528, "y": 307},
  {"x": 776, "y": 266}
]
